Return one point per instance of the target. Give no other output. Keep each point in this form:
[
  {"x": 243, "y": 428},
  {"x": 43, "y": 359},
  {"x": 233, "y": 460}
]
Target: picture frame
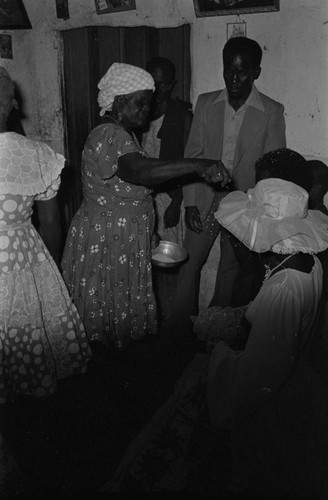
[
  {"x": 6, "y": 49},
  {"x": 13, "y": 15},
  {"x": 62, "y": 9},
  {"x": 236, "y": 29},
  {"x": 204, "y": 8},
  {"x": 110, "y": 6}
]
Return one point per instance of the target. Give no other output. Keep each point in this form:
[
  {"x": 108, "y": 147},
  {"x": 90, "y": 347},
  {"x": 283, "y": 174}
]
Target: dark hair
[
  {"x": 241, "y": 45},
  {"x": 285, "y": 164},
  {"x": 320, "y": 174},
  {"x": 165, "y": 64}
]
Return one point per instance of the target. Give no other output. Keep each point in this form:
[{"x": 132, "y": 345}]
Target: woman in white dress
[
  {"x": 266, "y": 392},
  {"x": 42, "y": 338}
]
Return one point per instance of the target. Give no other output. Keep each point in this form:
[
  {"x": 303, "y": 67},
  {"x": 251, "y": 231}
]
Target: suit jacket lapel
[
  {"x": 216, "y": 127},
  {"x": 253, "y": 124}
]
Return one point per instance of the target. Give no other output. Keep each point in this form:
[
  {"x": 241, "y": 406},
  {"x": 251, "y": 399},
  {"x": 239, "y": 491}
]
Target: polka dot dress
[{"x": 42, "y": 338}]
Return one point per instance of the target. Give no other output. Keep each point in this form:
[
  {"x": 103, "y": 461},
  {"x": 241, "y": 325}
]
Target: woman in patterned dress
[
  {"x": 107, "y": 258},
  {"x": 42, "y": 338}
]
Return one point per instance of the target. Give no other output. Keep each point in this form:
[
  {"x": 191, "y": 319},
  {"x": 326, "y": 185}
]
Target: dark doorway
[{"x": 88, "y": 53}]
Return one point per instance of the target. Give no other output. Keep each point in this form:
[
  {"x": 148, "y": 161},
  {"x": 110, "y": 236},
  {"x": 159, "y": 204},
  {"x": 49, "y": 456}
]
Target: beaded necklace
[{"x": 269, "y": 271}]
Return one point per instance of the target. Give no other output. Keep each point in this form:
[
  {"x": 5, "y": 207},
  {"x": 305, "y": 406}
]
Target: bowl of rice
[{"x": 168, "y": 254}]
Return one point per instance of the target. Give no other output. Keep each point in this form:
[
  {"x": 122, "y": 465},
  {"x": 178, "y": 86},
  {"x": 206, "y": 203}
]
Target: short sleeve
[
  {"x": 106, "y": 144},
  {"x": 28, "y": 167},
  {"x": 50, "y": 192}
]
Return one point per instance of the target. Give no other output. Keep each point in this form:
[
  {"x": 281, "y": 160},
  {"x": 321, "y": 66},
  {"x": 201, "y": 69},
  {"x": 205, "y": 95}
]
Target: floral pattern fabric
[
  {"x": 42, "y": 338},
  {"x": 107, "y": 257}
]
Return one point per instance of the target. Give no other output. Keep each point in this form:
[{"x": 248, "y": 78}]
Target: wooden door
[{"x": 88, "y": 53}]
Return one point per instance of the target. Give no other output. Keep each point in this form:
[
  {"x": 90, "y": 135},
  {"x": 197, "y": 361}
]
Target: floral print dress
[
  {"x": 42, "y": 338},
  {"x": 107, "y": 258}
]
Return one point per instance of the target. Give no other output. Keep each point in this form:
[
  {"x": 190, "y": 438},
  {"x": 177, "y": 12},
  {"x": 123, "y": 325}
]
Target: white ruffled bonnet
[{"x": 274, "y": 216}]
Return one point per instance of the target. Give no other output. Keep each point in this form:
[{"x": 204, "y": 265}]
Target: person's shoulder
[
  {"x": 270, "y": 104},
  {"x": 102, "y": 127},
  {"x": 210, "y": 96},
  {"x": 207, "y": 99},
  {"x": 15, "y": 140},
  {"x": 103, "y": 130}
]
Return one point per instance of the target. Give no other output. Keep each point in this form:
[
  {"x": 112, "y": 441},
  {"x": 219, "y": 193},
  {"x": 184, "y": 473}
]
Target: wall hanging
[
  {"x": 107, "y": 6},
  {"x": 229, "y": 7},
  {"x": 62, "y": 9},
  {"x": 236, "y": 29},
  {"x": 6, "y": 51},
  {"x": 13, "y": 15}
]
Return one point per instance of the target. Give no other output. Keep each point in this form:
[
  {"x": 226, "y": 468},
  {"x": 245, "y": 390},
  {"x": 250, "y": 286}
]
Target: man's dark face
[
  {"x": 163, "y": 85},
  {"x": 239, "y": 75}
]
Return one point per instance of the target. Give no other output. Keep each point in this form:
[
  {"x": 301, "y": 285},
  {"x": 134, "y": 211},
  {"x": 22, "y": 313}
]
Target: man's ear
[{"x": 257, "y": 72}]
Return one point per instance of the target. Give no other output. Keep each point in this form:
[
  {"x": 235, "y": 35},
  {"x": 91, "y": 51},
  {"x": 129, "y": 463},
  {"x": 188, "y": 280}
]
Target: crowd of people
[{"x": 153, "y": 169}]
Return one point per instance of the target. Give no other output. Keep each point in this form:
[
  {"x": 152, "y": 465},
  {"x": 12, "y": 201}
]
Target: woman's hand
[{"x": 214, "y": 172}]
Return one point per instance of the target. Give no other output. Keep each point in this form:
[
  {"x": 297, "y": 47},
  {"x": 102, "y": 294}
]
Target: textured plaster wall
[{"x": 294, "y": 69}]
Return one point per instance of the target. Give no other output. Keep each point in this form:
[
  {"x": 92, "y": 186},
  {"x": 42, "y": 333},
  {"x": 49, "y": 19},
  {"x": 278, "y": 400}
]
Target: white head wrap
[{"x": 122, "y": 79}]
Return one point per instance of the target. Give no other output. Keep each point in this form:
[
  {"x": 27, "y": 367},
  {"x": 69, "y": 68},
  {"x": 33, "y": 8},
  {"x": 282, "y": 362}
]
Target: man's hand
[
  {"x": 193, "y": 220},
  {"x": 172, "y": 214}
]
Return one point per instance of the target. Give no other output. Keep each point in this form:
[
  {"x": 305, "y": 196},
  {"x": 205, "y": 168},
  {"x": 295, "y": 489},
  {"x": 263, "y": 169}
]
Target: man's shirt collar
[{"x": 254, "y": 99}]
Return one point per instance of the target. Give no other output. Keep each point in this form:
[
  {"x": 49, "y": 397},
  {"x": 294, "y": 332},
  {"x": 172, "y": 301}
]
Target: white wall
[{"x": 294, "y": 68}]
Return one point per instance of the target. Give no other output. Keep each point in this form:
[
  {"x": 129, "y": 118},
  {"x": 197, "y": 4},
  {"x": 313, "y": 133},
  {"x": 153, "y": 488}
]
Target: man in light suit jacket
[{"x": 236, "y": 125}]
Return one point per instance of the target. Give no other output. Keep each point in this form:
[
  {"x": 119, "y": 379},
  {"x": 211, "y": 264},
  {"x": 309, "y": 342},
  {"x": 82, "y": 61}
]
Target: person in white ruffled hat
[
  {"x": 283, "y": 164},
  {"x": 266, "y": 392},
  {"x": 107, "y": 258}
]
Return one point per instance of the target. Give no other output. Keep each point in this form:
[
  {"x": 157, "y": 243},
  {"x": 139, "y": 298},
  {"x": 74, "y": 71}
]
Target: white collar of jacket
[{"x": 254, "y": 98}]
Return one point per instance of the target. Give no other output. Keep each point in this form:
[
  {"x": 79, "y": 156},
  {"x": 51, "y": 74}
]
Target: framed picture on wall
[
  {"x": 205, "y": 8},
  {"x": 6, "y": 51},
  {"x": 107, "y": 6},
  {"x": 13, "y": 15},
  {"x": 236, "y": 29}
]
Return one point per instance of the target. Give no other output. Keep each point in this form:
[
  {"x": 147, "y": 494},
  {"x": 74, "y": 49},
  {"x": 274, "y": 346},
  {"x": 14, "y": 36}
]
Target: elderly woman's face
[{"x": 135, "y": 109}]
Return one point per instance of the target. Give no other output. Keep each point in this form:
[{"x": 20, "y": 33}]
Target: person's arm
[
  {"x": 187, "y": 128},
  {"x": 194, "y": 149},
  {"x": 176, "y": 193},
  {"x": 172, "y": 213},
  {"x": 136, "y": 169},
  {"x": 276, "y": 131},
  {"x": 50, "y": 228},
  {"x": 239, "y": 382}
]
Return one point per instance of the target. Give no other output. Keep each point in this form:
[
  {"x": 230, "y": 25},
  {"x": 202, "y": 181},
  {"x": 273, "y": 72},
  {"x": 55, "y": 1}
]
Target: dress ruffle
[{"x": 27, "y": 167}]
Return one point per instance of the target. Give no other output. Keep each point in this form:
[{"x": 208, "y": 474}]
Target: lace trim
[{"x": 50, "y": 164}]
